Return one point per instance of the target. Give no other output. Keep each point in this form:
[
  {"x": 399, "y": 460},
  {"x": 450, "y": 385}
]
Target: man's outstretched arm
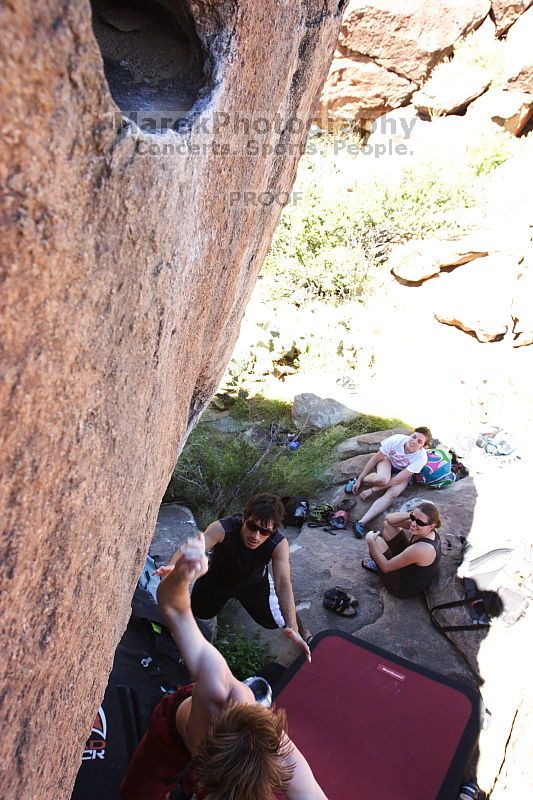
[{"x": 281, "y": 571}]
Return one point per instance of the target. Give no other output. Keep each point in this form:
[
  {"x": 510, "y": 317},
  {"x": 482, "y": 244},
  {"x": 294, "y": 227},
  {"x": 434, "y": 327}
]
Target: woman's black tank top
[{"x": 413, "y": 579}]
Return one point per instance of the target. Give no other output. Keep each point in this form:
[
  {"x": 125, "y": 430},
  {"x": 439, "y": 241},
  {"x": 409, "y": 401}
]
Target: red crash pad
[{"x": 377, "y": 727}]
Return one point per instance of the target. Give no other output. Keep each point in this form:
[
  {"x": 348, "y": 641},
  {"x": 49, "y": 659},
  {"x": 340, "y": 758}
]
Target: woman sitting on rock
[
  {"x": 399, "y": 458},
  {"x": 407, "y": 554}
]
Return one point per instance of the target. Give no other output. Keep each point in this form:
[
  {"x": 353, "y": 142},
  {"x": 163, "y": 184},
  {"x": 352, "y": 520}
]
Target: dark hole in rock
[{"x": 154, "y": 62}]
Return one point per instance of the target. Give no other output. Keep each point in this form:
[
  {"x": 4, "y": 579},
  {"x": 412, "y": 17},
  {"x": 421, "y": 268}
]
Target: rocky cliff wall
[
  {"x": 129, "y": 249},
  {"x": 387, "y": 50}
]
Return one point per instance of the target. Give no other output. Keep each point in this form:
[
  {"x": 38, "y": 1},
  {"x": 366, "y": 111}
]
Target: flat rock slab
[
  {"x": 506, "y": 12},
  {"x": 478, "y": 297},
  {"x": 311, "y": 412},
  {"x": 342, "y": 470},
  {"x": 510, "y": 110},
  {"x": 450, "y": 89},
  {"x": 366, "y": 443},
  {"x": 320, "y": 561},
  {"x": 418, "y": 260}
]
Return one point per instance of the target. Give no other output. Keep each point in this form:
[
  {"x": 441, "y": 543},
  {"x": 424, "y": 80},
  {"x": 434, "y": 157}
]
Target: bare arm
[
  {"x": 418, "y": 553},
  {"x": 175, "y": 604},
  {"x": 281, "y": 570},
  {"x": 215, "y": 685},
  {"x": 303, "y": 785},
  {"x": 398, "y": 519}
]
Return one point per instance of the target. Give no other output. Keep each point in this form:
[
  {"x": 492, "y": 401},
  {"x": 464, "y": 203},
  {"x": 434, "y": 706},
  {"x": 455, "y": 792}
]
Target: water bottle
[
  {"x": 261, "y": 689},
  {"x": 469, "y": 791}
]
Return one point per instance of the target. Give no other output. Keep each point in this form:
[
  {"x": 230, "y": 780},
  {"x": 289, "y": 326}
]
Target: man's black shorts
[{"x": 260, "y": 601}]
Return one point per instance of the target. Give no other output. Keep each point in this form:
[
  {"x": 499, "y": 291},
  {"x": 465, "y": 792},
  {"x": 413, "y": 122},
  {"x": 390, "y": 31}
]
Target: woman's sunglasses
[
  {"x": 419, "y": 522},
  {"x": 254, "y": 527}
]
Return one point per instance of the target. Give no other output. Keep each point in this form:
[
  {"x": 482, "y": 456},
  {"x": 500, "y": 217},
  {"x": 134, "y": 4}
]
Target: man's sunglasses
[
  {"x": 253, "y": 526},
  {"x": 419, "y": 522}
]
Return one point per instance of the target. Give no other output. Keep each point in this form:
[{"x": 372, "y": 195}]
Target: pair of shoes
[
  {"x": 359, "y": 530},
  {"x": 340, "y": 602},
  {"x": 370, "y": 565}
]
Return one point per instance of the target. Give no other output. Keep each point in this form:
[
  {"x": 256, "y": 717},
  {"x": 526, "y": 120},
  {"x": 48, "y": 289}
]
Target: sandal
[
  {"x": 342, "y": 603},
  {"x": 370, "y": 565},
  {"x": 332, "y": 594}
]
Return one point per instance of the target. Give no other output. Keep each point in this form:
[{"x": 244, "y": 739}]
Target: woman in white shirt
[{"x": 389, "y": 471}]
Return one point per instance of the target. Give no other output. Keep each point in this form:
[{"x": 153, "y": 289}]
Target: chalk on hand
[{"x": 192, "y": 550}]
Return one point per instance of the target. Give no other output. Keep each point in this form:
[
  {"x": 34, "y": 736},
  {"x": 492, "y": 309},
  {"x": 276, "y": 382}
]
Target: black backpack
[{"x": 296, "y": 511}]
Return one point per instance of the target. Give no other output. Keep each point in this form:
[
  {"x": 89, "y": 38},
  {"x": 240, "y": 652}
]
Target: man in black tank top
[{"x": 242, "y": 547}]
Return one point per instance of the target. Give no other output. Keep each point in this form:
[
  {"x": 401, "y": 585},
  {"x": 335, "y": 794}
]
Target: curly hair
[
  {"x": 245, "y": 754},
  {"x": 265, "y": 508}
]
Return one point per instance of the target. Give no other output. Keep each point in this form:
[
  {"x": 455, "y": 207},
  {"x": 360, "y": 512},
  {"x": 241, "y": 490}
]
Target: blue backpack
[{"x": 437, "y": 473}]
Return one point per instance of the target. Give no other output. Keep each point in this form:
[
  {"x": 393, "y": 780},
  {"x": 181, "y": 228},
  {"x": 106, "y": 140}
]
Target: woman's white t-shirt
[{"x": 393, "y": 449}]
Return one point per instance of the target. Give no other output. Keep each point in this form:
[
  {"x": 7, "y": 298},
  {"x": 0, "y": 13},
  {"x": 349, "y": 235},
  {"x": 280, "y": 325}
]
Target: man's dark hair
[{"x": 264, "y": 509}]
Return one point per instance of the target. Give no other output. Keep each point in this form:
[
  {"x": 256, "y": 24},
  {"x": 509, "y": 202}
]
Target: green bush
[
  {"x": 367, "y": 423},
  {"x": 245, "y": 656},
  {"x": 422, "y": 202},
  {"x": 208, "y": 470},
  {"x": 331, "y": 244},
  {"x": 490, "y": 151},
  {"x": 302, "y": 472},
  {"x": 316, "y": 251},
  {"x": 261, "y": 409},
  {"x": 217, "y": 472}
]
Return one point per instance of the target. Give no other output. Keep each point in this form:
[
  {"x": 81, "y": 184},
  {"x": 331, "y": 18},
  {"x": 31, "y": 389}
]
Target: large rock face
[
  {"x": 128, "y": 259},
  {"x": 359, "y": 89}
]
